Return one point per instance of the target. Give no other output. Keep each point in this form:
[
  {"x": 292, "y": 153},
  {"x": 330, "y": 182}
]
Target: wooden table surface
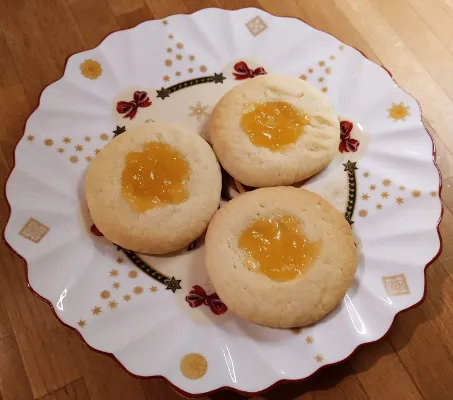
[{"x": 41, "y": 359}]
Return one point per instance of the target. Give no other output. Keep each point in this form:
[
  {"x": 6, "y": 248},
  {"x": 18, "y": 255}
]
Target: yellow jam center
[
  {"x": 277, "y": 248},
  {"x": 155, "y": 176},
  {"x": 274, "y": 124}
]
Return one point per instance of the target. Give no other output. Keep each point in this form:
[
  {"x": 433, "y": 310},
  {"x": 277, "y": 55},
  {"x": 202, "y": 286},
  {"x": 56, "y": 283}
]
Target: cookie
[
  {"x": 274, "y": 130},
  {"x": 154, "y": 189},
  {"x": 280, "y": 257}
]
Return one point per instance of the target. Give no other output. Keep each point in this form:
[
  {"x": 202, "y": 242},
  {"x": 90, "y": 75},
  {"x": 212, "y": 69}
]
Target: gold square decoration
[
  {"x": 396, "y": 285},
  {"x": 256, "y": 26},
  {"x": 34, "y": 230}
]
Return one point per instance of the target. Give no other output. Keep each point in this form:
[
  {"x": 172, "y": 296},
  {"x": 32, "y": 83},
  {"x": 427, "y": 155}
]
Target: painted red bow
[
  {"x": 130, "y": 108},
  {"x": 347, "y": 144},
  {"x": 197, "y": 296},
  {"x": 243, "y": 71}
]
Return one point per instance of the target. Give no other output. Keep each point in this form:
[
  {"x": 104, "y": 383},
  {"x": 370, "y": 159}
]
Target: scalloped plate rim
[{"x": 279, "y": 381}]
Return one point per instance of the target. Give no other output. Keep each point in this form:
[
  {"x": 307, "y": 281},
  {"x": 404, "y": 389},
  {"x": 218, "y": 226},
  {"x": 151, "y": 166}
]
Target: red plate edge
[{"x": 281, "y": 381}]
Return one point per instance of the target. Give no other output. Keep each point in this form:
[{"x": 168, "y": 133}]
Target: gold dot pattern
[
  {"x": 193, "y": 366},
  {"x": 105, "y": 294},
  {"x": 132, "y": 274},
  {"x": 384, "y": 194},
  {"x": 96, "y": 310},
  {"x": 138, "y": 290},
  {"x": 323, "y": 70},
  {"x": 76, "y": 151}
]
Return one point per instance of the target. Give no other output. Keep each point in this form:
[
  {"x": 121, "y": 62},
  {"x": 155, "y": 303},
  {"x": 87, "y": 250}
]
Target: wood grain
[{"x": 41, "y": 359}]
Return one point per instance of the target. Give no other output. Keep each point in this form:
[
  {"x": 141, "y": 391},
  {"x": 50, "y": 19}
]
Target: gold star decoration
[
  {"x": 66, "y": 140},
  {"x": 119, "y": 260},
  {"x": 116, "y": 285},
  {"x": 163, "y": 93},
  {"x": 341, "y": 47},
  {"x": 30, "y": 138},
  {"x": 48, "y": 142},
  {"x": 321, "y": 79},
  {"x": 399, "y": 200},
  {"x": 138, "y": 290},
  {"x": 105, "y": 294},
  {"x": 310, "y": 70},
  {"x": 332, "y": 57},
  {"x": 153, "y": 289},
  {"x": 97, "y": 151},
  {"x": 119, "y": 130},
  {"x": 179, "y": 57},
  {"x": 79, "y": 147},
  {"x": 169, "y": 50},
  {"x": 321, "y": 63},
  {"x": 87, "y": 139},
  {"x": 324, "y": 89},
  {"x": 384, "y": 195},
  {"x": 198, "y": 111},
  {"x": 363, "y": 213},
  {"x": 366, "y": 174},
  {"x": 379, "y": 206},
  {"x": 218, "y": 78},
  {"x": 60, "y": 150},
  {"x": 166, "y": 78},
  {"x": 88, "y": 158},
  {"x": 74, "y": 159},
  {"x": 433, "y": 193},
  {"x": 328, "y": 70},
  {"x": 82, "y": 323},
  {"x": 386, "y": 182},
  {"x": 178, "y": 73},
  {"x": 350, "y": 166},
  {"x": 190, "y": 70},
  {"x": 401, "y": 187},
  {"x": 170, "y": 36},
  {"x": 113, "y": 304},
  {"x": 191, "y": 57},
  {"x": 91, "y": 69},
  {"x": 132, "y": 274},
  {"x": 365, "y": 196},
  {"x": 416, "y": 193},
  {"x": 372, "y": 187},
  {"x": 303, "y": 77},
  {"x": 164, "y": 22},
  {"x": 309, "y": 340},
  {"x": 104, "y": 136},
  {"x": 180, "y": 45},
  {"x": 127, "y": 297},
  {"x": 319, "y": 358},
  {"x": 168, "y": 63},
  {"x": 96, "y": 310},
  {"x": 398, "y": 112},
  {"x": 296, "y": 331},
  {"x": 114, "y": 272},
  {"x": 173, "y": 284},
  {"x": 203, "y": 68}
]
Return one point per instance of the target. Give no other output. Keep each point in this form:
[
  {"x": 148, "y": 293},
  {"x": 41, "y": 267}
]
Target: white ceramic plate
[{"x": 158, "y": 315}]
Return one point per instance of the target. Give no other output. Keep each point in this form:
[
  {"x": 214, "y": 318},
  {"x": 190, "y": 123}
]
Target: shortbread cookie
[
  {"x": 280, "y": 257},
  {"x": 274, "y": 130},
  {"x": 154, "y": 189}
]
